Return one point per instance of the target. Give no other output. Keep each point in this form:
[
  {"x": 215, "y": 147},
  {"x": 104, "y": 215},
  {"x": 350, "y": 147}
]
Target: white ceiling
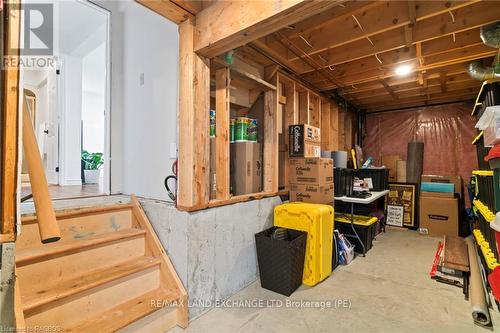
[{"x": 77, "y": 23}]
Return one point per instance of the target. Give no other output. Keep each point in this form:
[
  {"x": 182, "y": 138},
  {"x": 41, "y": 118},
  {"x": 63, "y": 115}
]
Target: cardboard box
[
  {"x": 314, "y": 171},
  {"x": 246, "y": 168},
  {"x": 438, "y": 215},
  {"x": 457, "y": 180},
  {"x": 304, "y": 141},
  {"x": 320, "y": 194},
  {"x": 391, "y": 162}
]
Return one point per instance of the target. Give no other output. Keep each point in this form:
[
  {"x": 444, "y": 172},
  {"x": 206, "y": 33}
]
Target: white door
[{"x": 52, "y": 130}]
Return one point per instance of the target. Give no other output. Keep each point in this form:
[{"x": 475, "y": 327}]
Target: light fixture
[{"x": 402, "y": 70}]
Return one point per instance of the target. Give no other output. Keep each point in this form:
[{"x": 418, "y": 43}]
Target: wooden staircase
[{"x": 108, "y": 273}]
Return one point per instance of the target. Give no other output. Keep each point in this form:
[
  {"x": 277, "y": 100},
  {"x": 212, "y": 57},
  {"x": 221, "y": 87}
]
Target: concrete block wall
[{"x": 213, "y": 250}]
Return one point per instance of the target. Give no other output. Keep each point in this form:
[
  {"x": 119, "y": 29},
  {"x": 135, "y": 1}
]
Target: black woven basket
[{"x": 281, "y": 262}]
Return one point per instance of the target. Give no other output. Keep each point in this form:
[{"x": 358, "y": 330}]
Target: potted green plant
[{"x": 91, "y": 166}]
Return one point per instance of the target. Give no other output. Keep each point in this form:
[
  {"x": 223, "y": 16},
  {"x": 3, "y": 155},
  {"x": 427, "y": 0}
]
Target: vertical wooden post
[
  {"x": 314, "y": 110},
  {"x": 9, "y": 126},
  {"x": 222, "y": 115},
  {"x": 342, "y": 141},
  {"x": 304, "y": 107},
  {"x": 334, "y": 126},
  {"x": 194, "y": 117},
  {"x": 271, "y": 167},
  {"x": 326, "y": 130}
]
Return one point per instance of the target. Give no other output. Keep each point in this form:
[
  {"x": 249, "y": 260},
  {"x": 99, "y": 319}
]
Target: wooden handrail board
[
  {"x": 77, "y": 212},
  {"x": 49, "y": 293},
  {"x": 47, "y": 251},
  {"x": 127, "y": 313}
]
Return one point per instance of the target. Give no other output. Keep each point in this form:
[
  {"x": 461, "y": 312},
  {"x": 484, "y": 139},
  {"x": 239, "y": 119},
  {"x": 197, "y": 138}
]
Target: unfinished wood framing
[
  {"x": 222, "y": 116},
  {"x": 270, "y": 157},
  {"x": 194, "y": 103},
  {"x": 225, "y": 25},
  {"x": 9, "y": 126}
]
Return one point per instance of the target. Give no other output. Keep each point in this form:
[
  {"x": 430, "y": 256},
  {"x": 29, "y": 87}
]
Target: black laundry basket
[{"x": 281, "y": 262}]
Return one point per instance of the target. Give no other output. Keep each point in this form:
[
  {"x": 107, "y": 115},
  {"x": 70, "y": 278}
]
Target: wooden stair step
[
  {"x": 126, "y": 313},
  {"x": 62, "y": 247},
  {"x": 82, "y": 283}
]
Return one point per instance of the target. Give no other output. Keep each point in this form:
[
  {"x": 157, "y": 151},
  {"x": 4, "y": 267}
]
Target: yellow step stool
[{"x": 317, "y": 221}]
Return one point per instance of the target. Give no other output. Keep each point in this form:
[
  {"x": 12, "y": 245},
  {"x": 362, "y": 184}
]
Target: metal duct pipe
[
  {"x": 490, "y": 35},
  {"x": 481, "y": 73}
]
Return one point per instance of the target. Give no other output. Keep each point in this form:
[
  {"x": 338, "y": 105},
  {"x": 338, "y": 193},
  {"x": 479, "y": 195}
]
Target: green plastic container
[
  {"x": 212, "y": 123},
  {"x": 241, "y": 126}
]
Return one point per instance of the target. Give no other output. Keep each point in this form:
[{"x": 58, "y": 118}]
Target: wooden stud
[
  {"x": 10, "y": 127},
  {"x": 194, "y": 106},
  {"x": 314, "y": 110},
  {"x": 326, "y": 130},
  {"x": 222, "y": 115},
  {"x": 270, "y": 156},
  {"x": 334, "y": 126},
  {"x": 304, "y": 107}
]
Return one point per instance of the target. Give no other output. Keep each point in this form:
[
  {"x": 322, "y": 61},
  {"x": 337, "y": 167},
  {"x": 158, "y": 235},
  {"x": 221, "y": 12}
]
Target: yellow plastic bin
[{"x": 317, "y": 221}]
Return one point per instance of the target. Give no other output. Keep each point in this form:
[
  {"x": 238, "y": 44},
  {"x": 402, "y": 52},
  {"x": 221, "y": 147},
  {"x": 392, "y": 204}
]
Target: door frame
[{"x": 61, "y": 100}]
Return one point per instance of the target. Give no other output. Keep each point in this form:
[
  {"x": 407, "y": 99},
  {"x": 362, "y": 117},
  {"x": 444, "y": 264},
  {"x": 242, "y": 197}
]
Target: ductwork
[
  {"x": 481, "y": 73},
  {"x": 490, "y": 35}
]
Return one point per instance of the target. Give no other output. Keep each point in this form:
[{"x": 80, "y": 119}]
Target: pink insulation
[{"x": 446, "y": 130}]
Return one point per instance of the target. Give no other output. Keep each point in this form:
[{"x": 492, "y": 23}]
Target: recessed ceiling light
[{"x": 403, "y": 70}]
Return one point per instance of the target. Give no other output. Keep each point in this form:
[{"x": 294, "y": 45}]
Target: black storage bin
[
  {"x": 281, "y": 262},
  {"x": 482, "y": 151},
  {"x": 366, "y": 233},
  {"x": 343, "y": 180},
  {"x": 380, "y": 177}
]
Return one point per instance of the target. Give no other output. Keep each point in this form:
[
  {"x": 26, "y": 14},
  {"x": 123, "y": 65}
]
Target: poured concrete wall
[{"x": 213, "y": 250}]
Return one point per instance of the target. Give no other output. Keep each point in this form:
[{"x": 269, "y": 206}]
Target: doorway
[{"x": 69, "y": 104}]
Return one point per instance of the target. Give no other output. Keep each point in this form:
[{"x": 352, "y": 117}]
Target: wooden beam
[
  {"x": 222, "y": 115},
  {"x": 432, "y": 62},
  {"x": 194, "y": 106},
  {"x": 9, "y": 120},
  {"x": 389, "y": 89},
  {"x": 168, "y": 9},
  {"x": 334, "y": 126},
  {"x": 469, "y": 17},
  {"x": 226, "y": 25},
  {"x": 388, "y": 15}
]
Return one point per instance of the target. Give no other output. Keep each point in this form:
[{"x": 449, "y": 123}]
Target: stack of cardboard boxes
[
  {"x": 439, "y": 211},
  {"x": 310, "y": 176}
]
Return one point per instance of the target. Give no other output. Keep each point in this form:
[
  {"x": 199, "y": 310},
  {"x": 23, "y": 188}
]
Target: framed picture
[{"x": 402, "y": 205}]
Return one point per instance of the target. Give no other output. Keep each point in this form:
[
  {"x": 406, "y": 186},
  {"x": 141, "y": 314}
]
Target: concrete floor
[{"x": 388, "y": 291}]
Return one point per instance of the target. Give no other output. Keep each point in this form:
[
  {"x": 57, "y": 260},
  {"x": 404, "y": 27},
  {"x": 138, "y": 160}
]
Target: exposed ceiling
[{"x": 354, "y": 49}]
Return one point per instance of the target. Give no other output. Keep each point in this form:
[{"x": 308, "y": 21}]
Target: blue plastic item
[{"x": 438, "y": 187}]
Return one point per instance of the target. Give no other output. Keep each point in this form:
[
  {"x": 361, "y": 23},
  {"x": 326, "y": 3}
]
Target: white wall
[{"x": 143, "y": 116}]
